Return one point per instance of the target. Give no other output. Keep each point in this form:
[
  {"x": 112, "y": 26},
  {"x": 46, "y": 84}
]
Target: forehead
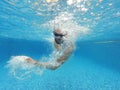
[{"x": 57, "y": 30}]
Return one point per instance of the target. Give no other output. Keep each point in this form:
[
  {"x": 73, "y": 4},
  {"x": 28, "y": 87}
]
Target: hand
[{"x": 30, "y": 60}]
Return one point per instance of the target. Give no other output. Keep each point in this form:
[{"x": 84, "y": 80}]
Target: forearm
[{"x": 48, "y": 65}]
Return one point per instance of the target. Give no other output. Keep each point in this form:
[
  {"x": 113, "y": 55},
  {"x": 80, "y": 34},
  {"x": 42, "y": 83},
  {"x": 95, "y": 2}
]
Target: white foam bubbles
[
  {"x": 49, "y": 1},
  {"x": 66, "y": 23},
  {"x": 70, "y": 2},
  {"x": 20, "y": 69}
]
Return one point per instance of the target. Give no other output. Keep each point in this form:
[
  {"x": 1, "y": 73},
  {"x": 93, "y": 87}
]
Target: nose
[{"x": 59, "y": 37}]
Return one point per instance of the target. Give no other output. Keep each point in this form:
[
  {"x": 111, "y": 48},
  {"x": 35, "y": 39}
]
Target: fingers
[{"x": 30, "y": 60}]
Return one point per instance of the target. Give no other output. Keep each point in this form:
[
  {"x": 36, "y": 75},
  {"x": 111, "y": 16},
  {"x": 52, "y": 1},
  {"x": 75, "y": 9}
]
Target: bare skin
[{"x": 60, "y": 60}]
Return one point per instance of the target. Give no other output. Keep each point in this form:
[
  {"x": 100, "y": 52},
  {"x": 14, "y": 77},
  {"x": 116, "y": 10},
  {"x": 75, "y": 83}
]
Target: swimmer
[{"x": 61, "y": 46}]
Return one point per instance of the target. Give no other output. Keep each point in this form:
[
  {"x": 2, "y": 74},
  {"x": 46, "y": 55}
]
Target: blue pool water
[{"x": 26, "y": 29}]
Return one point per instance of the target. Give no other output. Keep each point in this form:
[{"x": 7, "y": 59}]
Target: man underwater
[{"x": 62, "y": 45}]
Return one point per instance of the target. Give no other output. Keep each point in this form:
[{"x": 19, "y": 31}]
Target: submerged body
[{"x": 62, "y": 46}]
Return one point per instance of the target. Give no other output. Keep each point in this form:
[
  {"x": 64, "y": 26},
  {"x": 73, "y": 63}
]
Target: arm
[
  {"x": 66, "y": 54},
  {"x": 52, "y": 65}
]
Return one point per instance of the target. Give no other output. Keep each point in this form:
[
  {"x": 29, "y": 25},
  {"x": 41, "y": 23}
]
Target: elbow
[{"x": 55, "y": 67}]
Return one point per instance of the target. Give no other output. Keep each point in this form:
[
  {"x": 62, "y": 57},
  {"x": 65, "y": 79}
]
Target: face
[
  {"x": 57, "y": 31},
  {"x": 59, "y": 37}
]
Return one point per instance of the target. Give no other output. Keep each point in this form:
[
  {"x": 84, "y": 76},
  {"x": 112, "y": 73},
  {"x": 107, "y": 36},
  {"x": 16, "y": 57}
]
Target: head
[
  {"x": 58, "y": 34},
  {"x": 58, "y": 31}
]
